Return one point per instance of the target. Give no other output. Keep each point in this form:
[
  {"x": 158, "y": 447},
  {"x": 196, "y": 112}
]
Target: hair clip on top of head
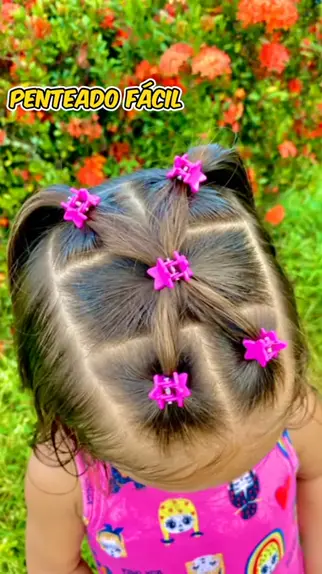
[
  {"x": 168, "y": 390},
  {"x": 264, "y": 349},
  {"x": 165, "y": 273},
  {"x": 188, "y": 172},
  {"x": 78, "y": 205}
]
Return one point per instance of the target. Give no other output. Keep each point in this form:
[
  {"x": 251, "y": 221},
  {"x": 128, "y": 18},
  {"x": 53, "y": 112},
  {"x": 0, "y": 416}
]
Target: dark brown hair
[{"x": 91, "y": 331}]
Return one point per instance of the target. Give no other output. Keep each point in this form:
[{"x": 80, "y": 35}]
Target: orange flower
[
  {"x": 119, "y": 150},
  {"x": 25, "y": 117},
  {"x": 307, "y": 153},
  {"x": 240, "y": 94},
  {"x": 167, "y": 82},
  {"x": 80, "y": 127},
  {"x": 144, "y": 70},
  {"x": 287, "y": 149},
  {"x": 74, "y": 127},
  {"x": 211, "y": 63},
  {"x": 274, "y": 13},
  {"x": 7, "y": 11},
  {"x": 274, "y": 57},
  {"x": 252, "y": 178},
  {"x": 4, "y": 222},
  {"x": 2, "y": 137},
  {"x": 41, "y": 27},
  {"x": 109, "y": 19},
  {"x": 92, "y": 130},
  {"x": 275, "y": 215},
  {"x": 174, "y": 58},
  {"x": 2, "y": 278},
  {"x": 295, "y": 86},
  {"x": 91, "y": 173},
  {"x": 234, "y": 113}
]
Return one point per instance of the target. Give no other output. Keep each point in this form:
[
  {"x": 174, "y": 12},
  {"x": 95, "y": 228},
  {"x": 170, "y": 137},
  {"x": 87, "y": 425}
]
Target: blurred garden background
[{"x": 251, "y": 75}]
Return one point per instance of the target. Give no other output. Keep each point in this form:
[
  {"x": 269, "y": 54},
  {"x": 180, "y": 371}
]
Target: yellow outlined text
[{"x": 147, "y": 96}]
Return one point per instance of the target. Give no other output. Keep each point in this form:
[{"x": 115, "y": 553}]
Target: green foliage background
[{"x": 44, "y": 148}]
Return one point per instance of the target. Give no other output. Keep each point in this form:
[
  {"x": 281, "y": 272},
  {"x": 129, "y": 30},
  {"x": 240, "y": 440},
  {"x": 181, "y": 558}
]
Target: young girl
[{"x": 161, "y": 342}]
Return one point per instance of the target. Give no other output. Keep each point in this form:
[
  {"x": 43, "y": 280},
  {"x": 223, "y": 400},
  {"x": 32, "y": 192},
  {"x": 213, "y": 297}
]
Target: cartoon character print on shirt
[
  {"x": 243, "y": 493},
  {"x": 267, "y": 554},
  {"x": 117, "y": 481},
  {"x": 111, "y": 541},
  {"x": 176, "y": 516},
  {"x": 210, "y": 564}
]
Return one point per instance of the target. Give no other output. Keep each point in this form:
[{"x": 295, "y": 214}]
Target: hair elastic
[
  {"x": 78, "y": 205},
  {"x": 188, "y": 172},
  {"x": 264, "y": 349},
  {"x": 168, "y": 390},
  {"x": 165, "y": 273}
]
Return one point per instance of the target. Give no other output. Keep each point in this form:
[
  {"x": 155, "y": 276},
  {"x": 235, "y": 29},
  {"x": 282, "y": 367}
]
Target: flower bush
[{"x": 250, "y": 71}]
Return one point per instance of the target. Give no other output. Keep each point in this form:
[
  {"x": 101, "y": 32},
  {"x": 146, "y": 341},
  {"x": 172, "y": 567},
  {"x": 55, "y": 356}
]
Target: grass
[{"x": 299, "y": 242}]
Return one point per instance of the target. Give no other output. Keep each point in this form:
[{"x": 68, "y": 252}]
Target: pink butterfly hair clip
[
  {"x": 168, "y": 390},
  {"x": 78, "y": 205},
  {"x": 166, "y": 273},
  {"x": 188, "y": 172},
  {"x": 264, "y": 349}
]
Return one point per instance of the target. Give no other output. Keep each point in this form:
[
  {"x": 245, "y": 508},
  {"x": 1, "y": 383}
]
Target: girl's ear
[{"x": 224, "y": 168}]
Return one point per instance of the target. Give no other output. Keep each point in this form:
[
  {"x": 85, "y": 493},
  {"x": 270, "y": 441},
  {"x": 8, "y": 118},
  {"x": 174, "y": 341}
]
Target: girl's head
[{"x": 92, "y": 332}]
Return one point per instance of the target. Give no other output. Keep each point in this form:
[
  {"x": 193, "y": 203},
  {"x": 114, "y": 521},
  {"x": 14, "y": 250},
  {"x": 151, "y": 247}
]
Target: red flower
[
  {"x": 174, "y": 58},
  {"x": 2, "y": 137},
  {"x": 287, "y": 149},
  {"x": 274, "y": 57},
  {"x": 121, "y": 37},
  {"x": 275, "y": 215},
  {"x": 119, "y": 150},
  {"x": 274, "y": 13},
  {"x": 23, "y": 173},
  {"x": 316, "y": 133},
  {"x": 295, "y": 86},
  {"x": 109, "y": 19},
  {"x": 41, "y": 27},
  {"x": 211, "y": 63},
  {"x": 91, "y": 173}
]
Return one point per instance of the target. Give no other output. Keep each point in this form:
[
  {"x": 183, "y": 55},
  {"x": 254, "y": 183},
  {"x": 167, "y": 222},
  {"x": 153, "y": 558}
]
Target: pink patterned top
[{"x": 246, "y": 527}]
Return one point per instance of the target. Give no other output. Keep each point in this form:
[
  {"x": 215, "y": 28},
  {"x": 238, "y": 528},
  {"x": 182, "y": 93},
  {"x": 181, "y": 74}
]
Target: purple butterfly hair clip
[
  {"x": 264, "y": 349},
  {"x": 168, "y": 390},
  {"x": 188, "y": 172},
  {"x": 165, "y": 273},
  {"x": 78, "y": 205}
]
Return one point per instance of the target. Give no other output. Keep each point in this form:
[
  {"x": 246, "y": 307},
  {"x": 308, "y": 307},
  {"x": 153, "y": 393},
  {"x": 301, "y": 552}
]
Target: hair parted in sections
[{"x": 91, "y": 331}]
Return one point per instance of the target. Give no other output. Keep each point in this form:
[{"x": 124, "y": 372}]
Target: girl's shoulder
[{"x": 46, "y": 476}]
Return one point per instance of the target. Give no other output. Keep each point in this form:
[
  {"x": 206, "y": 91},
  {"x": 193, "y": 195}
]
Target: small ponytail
[{"x": 224, "y": 168}]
